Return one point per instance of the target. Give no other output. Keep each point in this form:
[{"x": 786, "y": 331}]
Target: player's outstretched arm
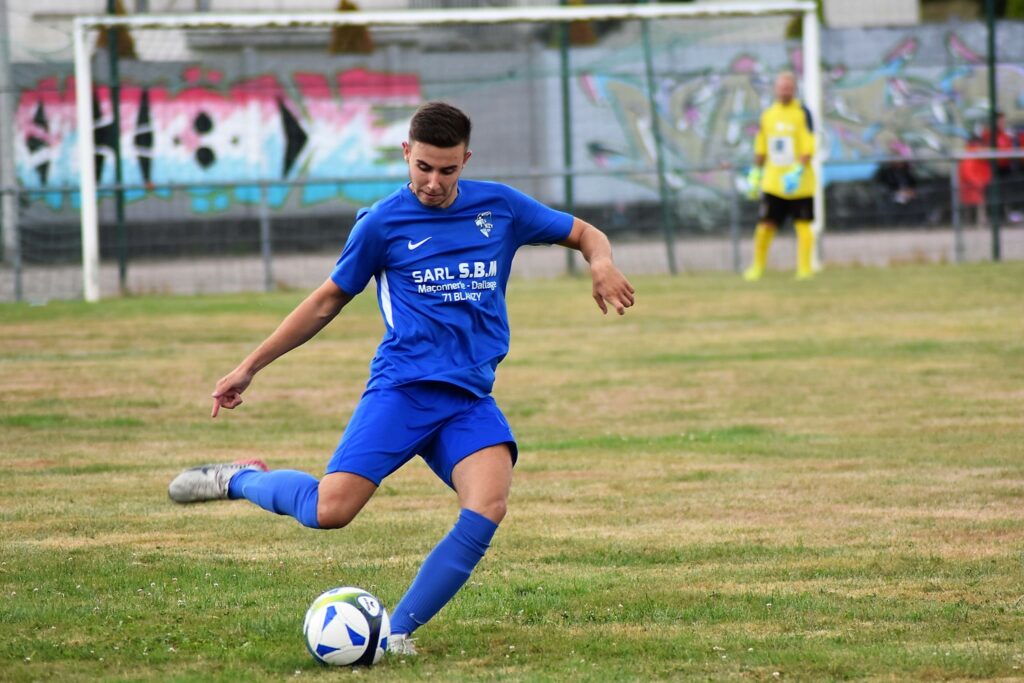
[
  {"x": 301, "y": 325},
  {"x": 610, "y": 286}
]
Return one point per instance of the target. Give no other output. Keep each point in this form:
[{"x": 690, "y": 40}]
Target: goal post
[
  {"x": 813, "y": 95},
  {"x": 85, "y": 28},
  {"x": 86, "y": 168}
]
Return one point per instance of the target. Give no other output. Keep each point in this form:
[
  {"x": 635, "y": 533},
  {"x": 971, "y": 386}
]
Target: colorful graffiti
[
  {"x": 703, "y": 122},
  {"x": 208, "y": 134},
  {"x": 896, "y": 108},
  {"x": 213, "y": 136}
]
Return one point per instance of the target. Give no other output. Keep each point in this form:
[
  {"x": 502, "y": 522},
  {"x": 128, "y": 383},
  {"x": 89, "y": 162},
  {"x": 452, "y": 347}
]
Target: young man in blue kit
[{"x": 441, "y": 250}]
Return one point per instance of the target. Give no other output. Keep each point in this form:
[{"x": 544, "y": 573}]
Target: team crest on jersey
[{"x": 483, "y": 221}]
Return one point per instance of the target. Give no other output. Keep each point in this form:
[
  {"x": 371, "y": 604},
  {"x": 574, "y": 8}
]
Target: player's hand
[
  {"x": 792, "y": 177},
  {"x": 228, "y": 392},
  {"x": 611, "y": 287},
  {"x": 754, "y": 182}
]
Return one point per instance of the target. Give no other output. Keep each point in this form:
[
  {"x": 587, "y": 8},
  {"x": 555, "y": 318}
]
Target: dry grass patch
[{"x": 847, "y": 452}]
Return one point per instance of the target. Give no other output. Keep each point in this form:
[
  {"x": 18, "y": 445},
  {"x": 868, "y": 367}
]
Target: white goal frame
[{"x": 812, "y": 85}]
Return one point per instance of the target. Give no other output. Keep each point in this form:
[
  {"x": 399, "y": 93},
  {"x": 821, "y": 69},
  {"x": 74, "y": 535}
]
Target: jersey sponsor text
[{"x": 473, "y": 269}]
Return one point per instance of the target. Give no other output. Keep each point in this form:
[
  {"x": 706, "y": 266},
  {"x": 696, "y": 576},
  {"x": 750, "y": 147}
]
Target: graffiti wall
[
  {"x": 213, "y": 135},
  {"x": 214, "y": 126},
  {"x": 920, "y": 92}
]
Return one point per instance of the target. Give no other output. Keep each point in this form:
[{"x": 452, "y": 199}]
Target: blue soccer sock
[
  {"x": 444, "y": 571},
  {"x": 286, "y": 492}
]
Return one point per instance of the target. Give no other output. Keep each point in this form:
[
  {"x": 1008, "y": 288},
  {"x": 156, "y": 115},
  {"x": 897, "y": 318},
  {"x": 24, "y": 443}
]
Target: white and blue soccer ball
[{"x": 347, "y": 627}]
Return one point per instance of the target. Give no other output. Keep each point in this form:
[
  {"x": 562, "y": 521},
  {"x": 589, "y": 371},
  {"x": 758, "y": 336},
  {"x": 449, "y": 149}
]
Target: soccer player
[
  {"x": 782, "y": 172},
  {"x": 440, "y": 249}
]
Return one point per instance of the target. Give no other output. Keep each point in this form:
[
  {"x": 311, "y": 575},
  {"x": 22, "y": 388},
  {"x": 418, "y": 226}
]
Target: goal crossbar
[{"x": 481, "y": 15}]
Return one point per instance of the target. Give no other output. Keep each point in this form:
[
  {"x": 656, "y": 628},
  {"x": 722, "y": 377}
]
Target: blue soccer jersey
[{"x": 441, "y": 277}]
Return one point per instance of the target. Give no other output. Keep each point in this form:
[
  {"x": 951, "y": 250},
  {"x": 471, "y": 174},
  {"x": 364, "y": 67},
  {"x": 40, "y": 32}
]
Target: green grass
[{"x": 810, "y": 481}]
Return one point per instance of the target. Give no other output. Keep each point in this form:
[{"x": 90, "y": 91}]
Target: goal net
[{"x": 230, "y": 153}]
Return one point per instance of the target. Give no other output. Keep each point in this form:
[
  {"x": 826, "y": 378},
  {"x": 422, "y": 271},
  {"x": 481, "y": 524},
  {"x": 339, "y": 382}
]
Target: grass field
[{"x": 806, "y": 481}]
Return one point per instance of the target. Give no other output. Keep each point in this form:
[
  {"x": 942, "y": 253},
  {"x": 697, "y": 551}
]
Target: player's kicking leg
[
  {"x": 329, "y": 503},
  {"x": 376, "y": 442}
]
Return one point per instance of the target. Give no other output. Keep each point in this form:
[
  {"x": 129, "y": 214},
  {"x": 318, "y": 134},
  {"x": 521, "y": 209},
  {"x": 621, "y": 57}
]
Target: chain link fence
[
  {"x": 244, "y": 163},
  {"x": 884, "y": 220}
]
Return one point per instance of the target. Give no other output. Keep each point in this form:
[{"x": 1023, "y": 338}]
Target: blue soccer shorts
[{"x": 442, "y": 423}]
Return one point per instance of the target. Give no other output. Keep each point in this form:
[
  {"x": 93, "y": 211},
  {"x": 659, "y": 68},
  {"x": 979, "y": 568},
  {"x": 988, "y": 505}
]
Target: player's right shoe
[
  {"x": 401, "y": 644},
  {"x": 209, "y": 482},
  {"x": 753, "y": 274}
]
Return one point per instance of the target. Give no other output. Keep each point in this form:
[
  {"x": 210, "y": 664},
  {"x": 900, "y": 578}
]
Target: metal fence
[
  {"x": 230, "y": 144},
  {"x": 870, "y": 222}
]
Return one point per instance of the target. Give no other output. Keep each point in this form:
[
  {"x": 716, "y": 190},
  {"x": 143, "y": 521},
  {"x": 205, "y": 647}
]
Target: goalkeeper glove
[
  {"x": 754, "y": 182},
  {"x": 792, "y": 177}
]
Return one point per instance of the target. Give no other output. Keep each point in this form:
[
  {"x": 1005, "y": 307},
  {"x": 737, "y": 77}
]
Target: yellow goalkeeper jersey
[{"x": 786, "y": 135}]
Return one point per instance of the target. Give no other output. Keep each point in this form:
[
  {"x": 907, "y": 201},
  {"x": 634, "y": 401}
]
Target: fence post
[
  {"x": 535, "y": 71},
  {"x": 663, "y": 191},
  {"x": 19, "y": 269},
  {"x": 266, "y": 248},
  {"x": 995, "y": 208},
  {"x": 568, "y": 181},
  {"x": 954, "y": 202},
  {"x": 113, "y": 59},
  {"x": 734, "y": 223}
]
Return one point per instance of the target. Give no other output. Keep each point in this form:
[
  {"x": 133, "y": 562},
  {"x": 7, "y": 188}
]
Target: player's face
[
  {"x": 785, "y": 88},
  {"x": 434, "y": 171}
]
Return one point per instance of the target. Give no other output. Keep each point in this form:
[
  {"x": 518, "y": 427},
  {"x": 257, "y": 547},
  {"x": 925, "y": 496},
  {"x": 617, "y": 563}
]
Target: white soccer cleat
[
  {"x": 401, "y": 644},
  {"x": 209, "y": 482}
]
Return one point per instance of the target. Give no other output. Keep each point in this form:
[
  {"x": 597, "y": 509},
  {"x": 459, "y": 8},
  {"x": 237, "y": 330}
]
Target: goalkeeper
[{"x": 783, "y": 177}]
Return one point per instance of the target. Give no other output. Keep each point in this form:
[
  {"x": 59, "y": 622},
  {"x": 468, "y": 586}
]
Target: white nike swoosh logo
[{"x": 418, "y": 244}]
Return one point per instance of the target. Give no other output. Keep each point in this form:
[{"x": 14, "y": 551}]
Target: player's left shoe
[
  {"x": 805, "y": 275},
  {"x": 401, "y": 644},
  {"x": 209, "y": 482}
]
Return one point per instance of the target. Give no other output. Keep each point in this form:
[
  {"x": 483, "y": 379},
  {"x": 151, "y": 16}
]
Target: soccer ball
[{"x": 347, "y": 627}]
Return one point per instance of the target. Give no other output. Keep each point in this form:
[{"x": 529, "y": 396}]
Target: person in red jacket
[
  {"x": 975, "y": 176},
  {"x": 1003, "y": 141}
]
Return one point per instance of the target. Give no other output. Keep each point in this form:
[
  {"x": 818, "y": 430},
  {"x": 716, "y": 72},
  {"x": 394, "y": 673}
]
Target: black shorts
[{"x": 776, "y": 209}]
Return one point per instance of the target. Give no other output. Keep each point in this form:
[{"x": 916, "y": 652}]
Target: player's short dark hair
[{"x": 440, "y": 124}]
